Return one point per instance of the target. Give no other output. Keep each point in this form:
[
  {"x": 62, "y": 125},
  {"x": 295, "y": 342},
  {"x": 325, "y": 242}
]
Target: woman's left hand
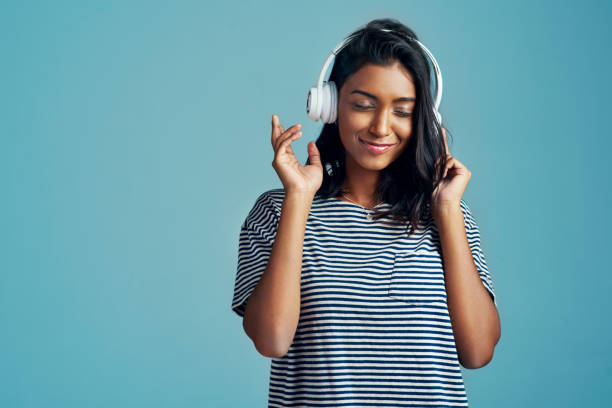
[{"x": 455, "y": 179}]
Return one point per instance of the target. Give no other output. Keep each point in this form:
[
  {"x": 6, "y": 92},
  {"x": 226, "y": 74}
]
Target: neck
[{"x": 360, "y": 183}]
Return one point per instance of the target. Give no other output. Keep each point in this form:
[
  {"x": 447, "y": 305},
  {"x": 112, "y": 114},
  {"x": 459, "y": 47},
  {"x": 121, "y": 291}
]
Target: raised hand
[
  {"x": 295, "y": 178},
  {"x": 454, "y": 181}
]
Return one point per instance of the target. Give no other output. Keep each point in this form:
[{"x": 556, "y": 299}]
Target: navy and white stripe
[{"x": 374, "y": 328}]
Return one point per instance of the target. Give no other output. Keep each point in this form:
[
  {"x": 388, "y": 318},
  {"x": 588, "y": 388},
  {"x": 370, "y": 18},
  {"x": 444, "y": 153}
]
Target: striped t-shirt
[{"x": 374, "y": 328}]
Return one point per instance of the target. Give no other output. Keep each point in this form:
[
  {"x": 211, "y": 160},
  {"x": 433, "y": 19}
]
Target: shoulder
[
  {"x": 272, "y": 199},
  {"x": 465, "y": 208},
  {"x": 470, "y": 220},
  {"x": 269, "y": 201}
]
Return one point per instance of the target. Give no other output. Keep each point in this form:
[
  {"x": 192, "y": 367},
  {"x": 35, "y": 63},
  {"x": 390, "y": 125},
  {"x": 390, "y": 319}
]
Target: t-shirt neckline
[{"x": 357, "y": 205}]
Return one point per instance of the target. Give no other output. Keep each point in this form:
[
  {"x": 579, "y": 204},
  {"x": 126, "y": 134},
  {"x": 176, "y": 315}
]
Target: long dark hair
[{"x": 407, "y": 183}]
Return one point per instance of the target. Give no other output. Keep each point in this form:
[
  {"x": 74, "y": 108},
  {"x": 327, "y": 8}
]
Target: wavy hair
[{"x": 408, "y": 182}]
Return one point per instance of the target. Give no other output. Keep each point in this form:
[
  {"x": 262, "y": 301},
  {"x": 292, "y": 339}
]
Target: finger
[
  {"x": 315, "y": 156},
  {"x": 450, "y": 164},
  {"x": 275, "y": 128},
  {"x": 446, "y": 149},
  {"x": 287, "y": 132},
  {"x": 287, "y": 141},
  {"x": 297, "y": 126}
]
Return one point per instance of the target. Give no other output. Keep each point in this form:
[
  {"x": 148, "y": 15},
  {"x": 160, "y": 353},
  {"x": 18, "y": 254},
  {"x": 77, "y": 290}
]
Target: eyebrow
[{"x": 358, "y": 91}]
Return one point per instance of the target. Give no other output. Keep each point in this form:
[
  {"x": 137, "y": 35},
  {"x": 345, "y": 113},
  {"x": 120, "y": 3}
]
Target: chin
[{"x": 374, "y": 165}]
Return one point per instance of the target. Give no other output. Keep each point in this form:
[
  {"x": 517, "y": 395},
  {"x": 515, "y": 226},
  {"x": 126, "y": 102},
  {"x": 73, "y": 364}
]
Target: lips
[
  {"x": 377, "y": 144},
  {"x": 375, "y": 148}
]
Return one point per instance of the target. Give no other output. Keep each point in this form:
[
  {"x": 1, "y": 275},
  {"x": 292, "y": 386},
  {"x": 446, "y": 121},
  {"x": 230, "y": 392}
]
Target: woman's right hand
[{"x": 295, "y": 178}]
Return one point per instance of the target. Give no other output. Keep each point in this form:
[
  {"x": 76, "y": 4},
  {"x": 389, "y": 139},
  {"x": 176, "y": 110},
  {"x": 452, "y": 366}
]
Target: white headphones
[{"x": 322, "y": 100}]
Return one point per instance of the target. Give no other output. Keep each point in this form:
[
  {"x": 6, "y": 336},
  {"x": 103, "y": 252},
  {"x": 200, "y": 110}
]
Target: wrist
[
  {"x": 299, "y": 195},
  {"x": 446, "y": 210}
]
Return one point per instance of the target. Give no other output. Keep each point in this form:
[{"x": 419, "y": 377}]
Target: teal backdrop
[{"x": 135, "y": 137}]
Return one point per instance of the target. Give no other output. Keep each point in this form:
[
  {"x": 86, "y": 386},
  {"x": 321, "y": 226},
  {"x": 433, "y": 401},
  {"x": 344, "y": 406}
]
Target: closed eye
[{"x": 400, "y": 113}]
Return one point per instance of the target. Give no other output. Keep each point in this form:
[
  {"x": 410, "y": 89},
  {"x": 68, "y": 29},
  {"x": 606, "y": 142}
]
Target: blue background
[{"x": 135, "y": 137}]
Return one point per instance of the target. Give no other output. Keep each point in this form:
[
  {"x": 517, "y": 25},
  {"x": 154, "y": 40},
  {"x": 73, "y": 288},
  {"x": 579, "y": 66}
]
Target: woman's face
[{"x": 375, "y": 105}]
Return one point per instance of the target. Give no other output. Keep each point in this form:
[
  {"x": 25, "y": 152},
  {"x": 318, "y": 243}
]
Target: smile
[{"x": 373, "y": 148}]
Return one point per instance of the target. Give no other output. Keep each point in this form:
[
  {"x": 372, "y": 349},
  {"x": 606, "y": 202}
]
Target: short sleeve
[
  {"x": 473, "y": 235},
  {"x": 257, "y": 235}
]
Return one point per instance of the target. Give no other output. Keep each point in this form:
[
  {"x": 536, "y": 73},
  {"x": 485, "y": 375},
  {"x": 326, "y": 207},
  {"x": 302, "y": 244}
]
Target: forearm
[
  {"x": 473, "y": 314},
  {"x": 273, "y": 309}
]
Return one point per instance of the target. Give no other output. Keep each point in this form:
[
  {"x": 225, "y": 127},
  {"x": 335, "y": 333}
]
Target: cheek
[
  {"x": 403, "y": 127},
  {"x": 349, "y": 121}
]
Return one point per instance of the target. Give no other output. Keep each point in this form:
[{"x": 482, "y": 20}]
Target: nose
[{"x": 380, "y": 124}]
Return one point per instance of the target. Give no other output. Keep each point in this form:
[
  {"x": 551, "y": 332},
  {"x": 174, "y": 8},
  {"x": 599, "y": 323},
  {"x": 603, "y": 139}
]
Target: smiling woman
[
  {"x": 367, "y": 284},
  {"x": 384, "y": 97}
]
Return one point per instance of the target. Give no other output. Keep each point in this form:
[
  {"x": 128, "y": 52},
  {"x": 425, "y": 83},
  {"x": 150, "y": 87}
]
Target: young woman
[{"x": 364, "y": 278}]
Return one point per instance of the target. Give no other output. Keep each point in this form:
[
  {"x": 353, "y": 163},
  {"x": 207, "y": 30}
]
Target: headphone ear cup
[
  {"x": 313, "y": 104},
  {"x": 325, "y": 102},
  {"x": 329, "y": 102},
  {"x": 333, "y": 93}
]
